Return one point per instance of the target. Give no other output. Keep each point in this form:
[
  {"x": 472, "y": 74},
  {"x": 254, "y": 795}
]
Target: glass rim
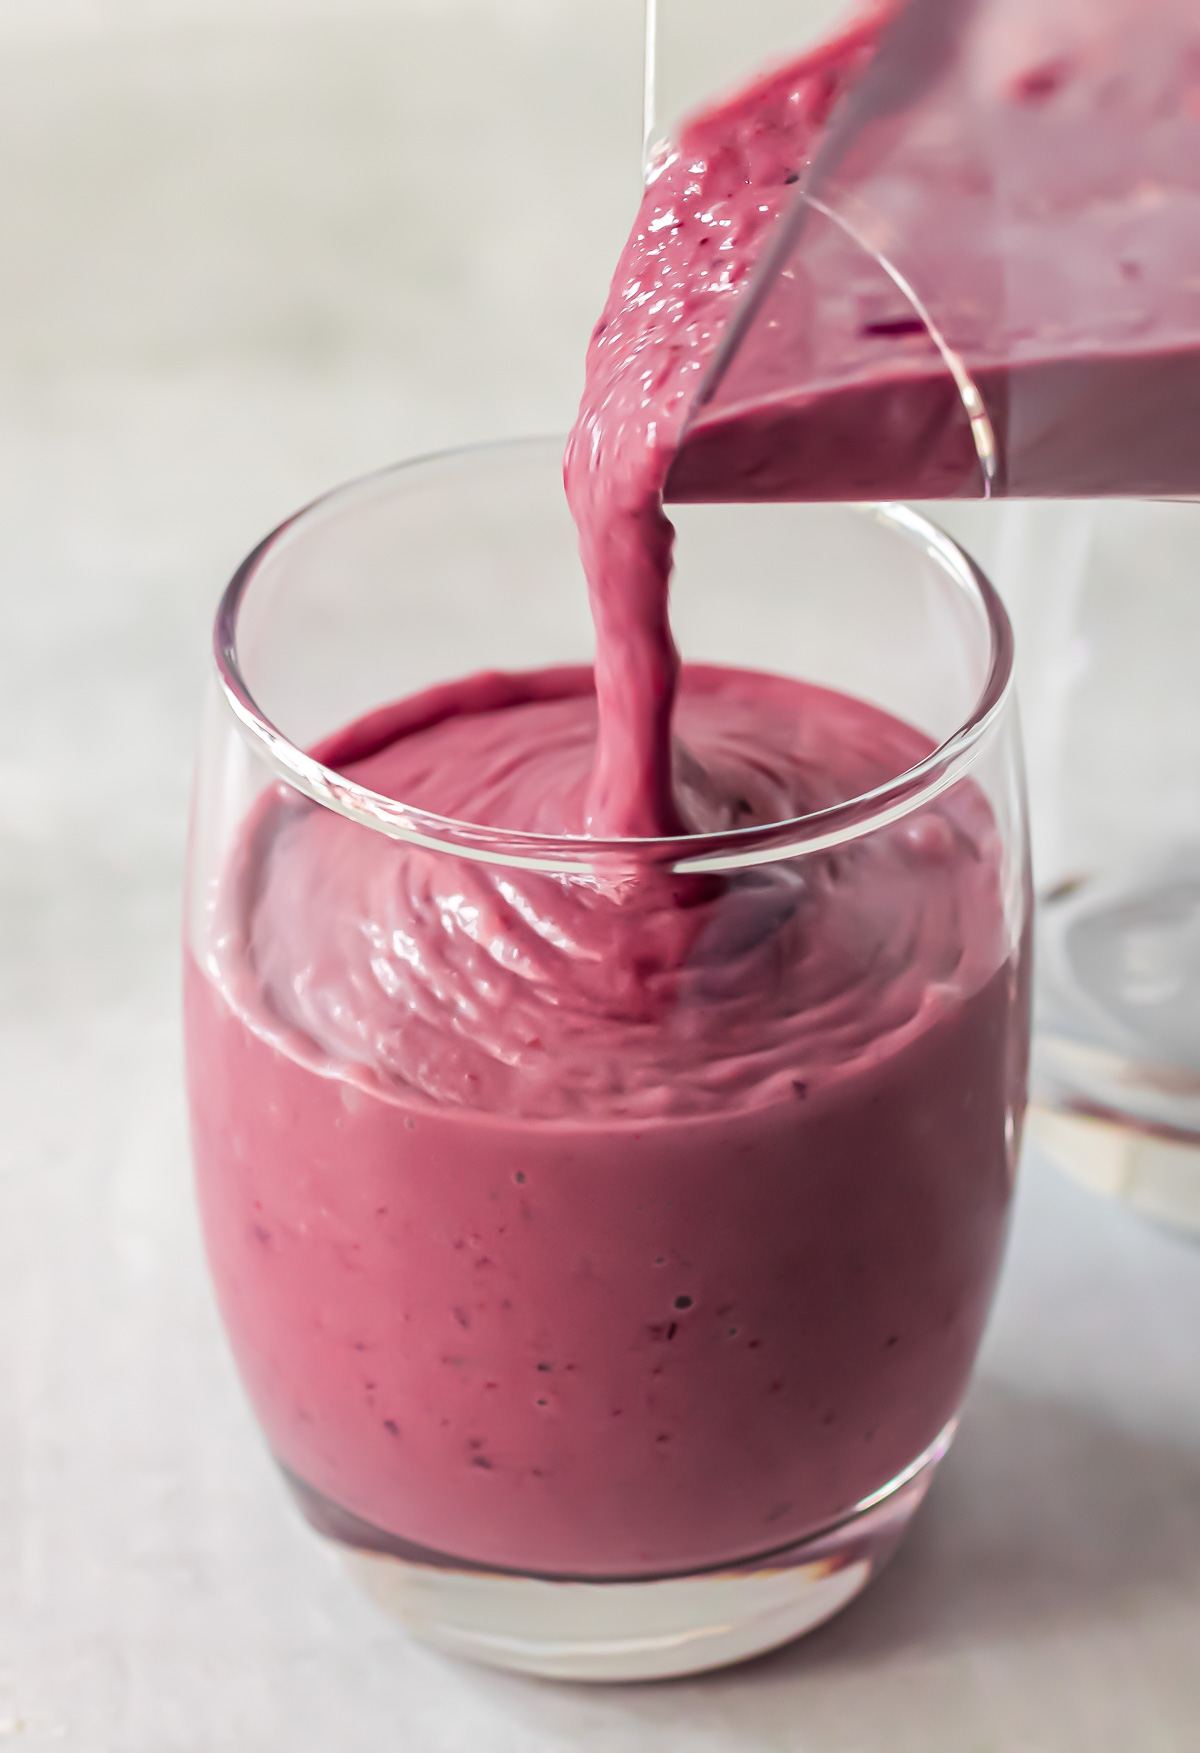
[{"x": 579, "y": 854}]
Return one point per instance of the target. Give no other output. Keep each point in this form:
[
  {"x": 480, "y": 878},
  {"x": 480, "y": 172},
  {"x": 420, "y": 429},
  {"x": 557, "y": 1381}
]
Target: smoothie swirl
[{"x": 547, "y": 996}]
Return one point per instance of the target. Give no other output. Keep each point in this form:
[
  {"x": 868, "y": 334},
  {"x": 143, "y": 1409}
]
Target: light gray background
[{"x": 251, "y": 247}]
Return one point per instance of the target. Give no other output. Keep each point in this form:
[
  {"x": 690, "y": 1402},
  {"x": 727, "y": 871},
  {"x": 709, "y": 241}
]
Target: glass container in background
[
  {"x": 1105, "y": 603},
  {"x": 598, "y": 1396}
]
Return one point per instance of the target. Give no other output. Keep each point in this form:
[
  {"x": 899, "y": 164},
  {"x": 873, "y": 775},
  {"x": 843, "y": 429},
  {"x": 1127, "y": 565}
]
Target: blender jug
[
  {"x": 988, "y": 286},
  {"x": 1032, "y": 173}
]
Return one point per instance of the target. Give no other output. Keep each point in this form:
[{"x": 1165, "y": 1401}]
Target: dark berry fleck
[
  {"x": 481, "y": 1461},
  {"x": 392, "y": 1428},
  {"x": 894, "y": 1340},
  {"x": 1042, "y": 82},
  {"x": 673, "y": 1329},
  {"x": 793, "y": 176},
  {"x": 683, "y": 1302},
  {"x": 890, "y": 327},
  {"x": 519, "y": 1177}
]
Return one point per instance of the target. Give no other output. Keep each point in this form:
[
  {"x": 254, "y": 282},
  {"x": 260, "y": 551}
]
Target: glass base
[{"x": 647, "y": 1629}]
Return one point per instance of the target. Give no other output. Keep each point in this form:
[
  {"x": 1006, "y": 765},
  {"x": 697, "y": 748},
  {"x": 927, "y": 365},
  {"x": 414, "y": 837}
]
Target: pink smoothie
[
  {"x": 597, "y": 1233},
  {"x": 626, "y": 1227}
]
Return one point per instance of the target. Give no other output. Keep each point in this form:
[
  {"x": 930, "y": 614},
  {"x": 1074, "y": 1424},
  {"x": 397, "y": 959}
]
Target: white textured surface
[{"x": 228, "y": 282}]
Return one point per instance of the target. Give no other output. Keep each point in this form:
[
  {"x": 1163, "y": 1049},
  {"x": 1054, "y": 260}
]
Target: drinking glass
[{"x": 627, "y": 1387}]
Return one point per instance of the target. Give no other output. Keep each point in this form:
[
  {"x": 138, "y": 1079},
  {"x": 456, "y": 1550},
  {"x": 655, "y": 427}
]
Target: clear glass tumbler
[{"x": 651, "y": 1379}]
